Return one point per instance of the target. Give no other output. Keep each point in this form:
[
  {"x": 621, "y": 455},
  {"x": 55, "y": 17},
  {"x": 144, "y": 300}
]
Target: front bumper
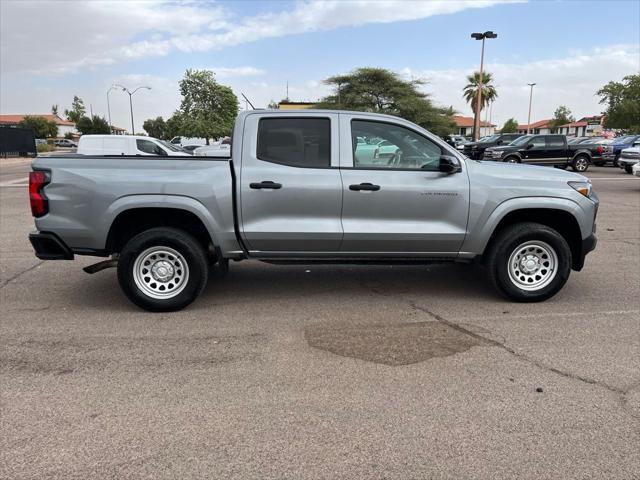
[
  {"x": 48, "y": 246},
  {"x": 624, "y": 161}
]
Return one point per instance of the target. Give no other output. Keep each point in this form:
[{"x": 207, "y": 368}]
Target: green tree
[
  {"x": 378, "y": 90},
  {"x": 173, "y": 125},
  {"x": 42, "y": 128},
  {"x": 77, "y": 110},
  {"x": 156, "y": 127},
  {"x": 208, "y": 109},
  {"x": 561, "y": 116},
  {"x": 510, "y": 126},
  {"x": 68, "y": 136},
  {"x": 622, "y": 100},
  {"x": 92, "y": 126},
  {"x": 471, "y": 89}
]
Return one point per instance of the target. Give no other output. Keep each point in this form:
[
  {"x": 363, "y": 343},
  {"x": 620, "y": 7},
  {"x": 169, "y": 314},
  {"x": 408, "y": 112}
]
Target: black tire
[
  {"x": 511, "y": 159},
  {"x": 509, "y": 242},
  {"x": 580, "y": 164},
  {"x": 187, "y": 250},
  {"x": 628, "y": 168}
]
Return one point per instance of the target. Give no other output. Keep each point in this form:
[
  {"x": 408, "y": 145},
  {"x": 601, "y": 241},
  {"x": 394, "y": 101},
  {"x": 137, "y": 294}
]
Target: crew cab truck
[
  {"x": 544, "y": 150},
  {"x": 293, "y": 190},
  {"x": 475, "y": 150}
]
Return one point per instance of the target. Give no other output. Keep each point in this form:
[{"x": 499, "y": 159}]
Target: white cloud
[
  {"x": 571, "y": 81},
  {"x": 65, "y": 36},
  {"x": 230, "y": 72}
]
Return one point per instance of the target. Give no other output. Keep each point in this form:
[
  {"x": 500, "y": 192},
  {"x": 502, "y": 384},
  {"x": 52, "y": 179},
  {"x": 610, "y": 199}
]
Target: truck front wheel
[
  {"x": 162, "y": 269},
  {"x": 529, "y": 262}
]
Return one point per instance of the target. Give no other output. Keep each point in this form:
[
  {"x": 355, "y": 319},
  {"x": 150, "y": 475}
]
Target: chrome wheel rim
[
  {"x": 581, "y": 164},
  {"x": 160, "y": 272},
  {"x": 533, "y": 265}
]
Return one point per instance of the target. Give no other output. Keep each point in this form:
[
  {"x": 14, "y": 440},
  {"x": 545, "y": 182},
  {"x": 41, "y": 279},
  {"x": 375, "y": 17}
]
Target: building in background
[
  {"x": 64, "y": 126},
  {"x": 541, "y": 127},
  {"x": 585, "y": 127},
  {"x": 295, "y": 105},
  {"x": 464, "y": 126}
]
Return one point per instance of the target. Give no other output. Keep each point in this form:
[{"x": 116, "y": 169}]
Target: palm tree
[{"x": 470, "y": 91}]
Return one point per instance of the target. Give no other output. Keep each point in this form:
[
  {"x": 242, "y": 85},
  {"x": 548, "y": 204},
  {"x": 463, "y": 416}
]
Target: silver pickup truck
[{"x": 298, "y": 188}]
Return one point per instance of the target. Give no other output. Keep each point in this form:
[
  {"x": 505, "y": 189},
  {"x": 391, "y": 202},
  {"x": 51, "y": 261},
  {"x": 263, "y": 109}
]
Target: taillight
[{"x": 39, "y": 203}]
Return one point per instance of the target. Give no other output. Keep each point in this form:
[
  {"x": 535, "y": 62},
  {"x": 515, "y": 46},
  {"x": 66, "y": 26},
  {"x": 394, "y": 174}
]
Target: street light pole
[
  {"x": 125, "y": 89},
  {"x": 476, "y": 120},
  {"x": 530, "y": 99},
  {"x": 112, "y": 87}
]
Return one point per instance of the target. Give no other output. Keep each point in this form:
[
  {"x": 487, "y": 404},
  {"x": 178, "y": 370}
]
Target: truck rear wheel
[
  {"x": 580, "y": 163},
  {"x": 529, "y": 262},
  {"x": 162, "y": 269}
]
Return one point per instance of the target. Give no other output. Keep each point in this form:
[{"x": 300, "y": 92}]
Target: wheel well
[
  {"x": 561, "y": 221},
  {"x": 132, "y": 222},
  {"x": 512, "y": 155}
]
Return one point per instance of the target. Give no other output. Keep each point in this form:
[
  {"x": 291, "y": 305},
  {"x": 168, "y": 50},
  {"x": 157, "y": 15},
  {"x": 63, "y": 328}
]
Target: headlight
[
  {"x": 583, "y": 188},
  {"x": 497, "y": 153}
]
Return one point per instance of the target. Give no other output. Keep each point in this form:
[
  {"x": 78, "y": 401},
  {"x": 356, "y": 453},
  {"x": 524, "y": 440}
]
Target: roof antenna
[{"x": 247, "y": 100}]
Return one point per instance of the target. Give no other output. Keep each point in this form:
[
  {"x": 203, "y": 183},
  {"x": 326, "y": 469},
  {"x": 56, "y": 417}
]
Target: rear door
[
  {"x": 400, "y": 205},
  {"x": 290, "y": 184},
  {"x": 556, "y": 149}
]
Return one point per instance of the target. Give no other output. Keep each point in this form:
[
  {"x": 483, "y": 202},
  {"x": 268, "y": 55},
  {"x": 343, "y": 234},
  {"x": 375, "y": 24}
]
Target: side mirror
[
  {"x": 529, "y": 146},
  {"x": 449, "y": 165},
  {"x": 499, "y": 142}
]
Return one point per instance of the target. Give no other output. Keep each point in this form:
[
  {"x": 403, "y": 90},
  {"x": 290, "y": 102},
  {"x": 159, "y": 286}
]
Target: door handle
[
  {"x": 265, "y": 184},
  {"x": 365, "y": 186}
]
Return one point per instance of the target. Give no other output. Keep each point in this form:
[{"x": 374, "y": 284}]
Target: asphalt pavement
[{"x": 394, "y": 372}]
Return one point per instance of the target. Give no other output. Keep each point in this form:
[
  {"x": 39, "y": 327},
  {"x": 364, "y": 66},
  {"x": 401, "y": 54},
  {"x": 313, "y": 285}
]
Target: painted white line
[
  {"x": 615, "y": 178},
  {"x": 18, "y": 183}
]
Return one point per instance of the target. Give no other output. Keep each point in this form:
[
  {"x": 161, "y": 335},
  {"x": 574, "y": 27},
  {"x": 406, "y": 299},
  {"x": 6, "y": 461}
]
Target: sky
[{"x": 51, "y": 50}]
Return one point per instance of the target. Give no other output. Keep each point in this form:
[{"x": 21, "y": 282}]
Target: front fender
[{"x": 476, "y": 241}]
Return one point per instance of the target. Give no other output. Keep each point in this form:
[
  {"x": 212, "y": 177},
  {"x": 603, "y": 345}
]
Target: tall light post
[
  {"x": 530, "y": 99},
  {"x": 476, "y": 120},
  {"x": 112, "y": 87},
  {"x": 125, "y": 89}
]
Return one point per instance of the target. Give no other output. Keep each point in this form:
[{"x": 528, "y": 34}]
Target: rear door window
[
  {"x": 149, "y": 147},
  {"x": 555, "y": 141},
  {"x": 298, "y": 142}
]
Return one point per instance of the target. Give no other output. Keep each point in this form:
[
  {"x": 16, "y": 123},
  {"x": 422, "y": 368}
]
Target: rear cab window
[{"x": 297, "y": 142}]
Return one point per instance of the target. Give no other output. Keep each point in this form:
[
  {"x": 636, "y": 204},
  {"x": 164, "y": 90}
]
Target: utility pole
[
  {"x": 112, "y": 87},
  {"x": 530, "y": 100},
  {"x": 476, "y": 119}
]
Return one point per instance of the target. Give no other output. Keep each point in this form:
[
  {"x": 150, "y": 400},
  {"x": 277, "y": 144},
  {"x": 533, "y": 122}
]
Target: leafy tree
[
  {"x": 273, "y": 105},
  {"x": 93, "y": 125},
  {"x": 208, "y": 109},
  {"x": 77, "y": 110},
  {"x": 471, "y": 90},
  {"x": 561, "y": 116},
  {"x": 623, "y": 103},
  {"x": 54, "y": 109},
  {"x": 42, "y": 128},
  {"x": 379, "y": 90},
  {"x": 68, "y": 136},
  {"x": 510, "y": 126},
  {"x": 156, "y": 127},
  {"x": 173, "y": 125}
]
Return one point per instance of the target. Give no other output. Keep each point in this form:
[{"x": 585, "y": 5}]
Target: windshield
[
  {"x": 489, "y": 139},
  {"x": 173, "y": 148},
  {"x": 521, "y": 140}
]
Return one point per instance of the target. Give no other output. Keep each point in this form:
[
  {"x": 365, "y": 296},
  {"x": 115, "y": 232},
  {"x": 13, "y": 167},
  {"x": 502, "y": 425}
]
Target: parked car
[
  {"x": 457, "y": 141},
  {"x": 216, "y": 150},
  {"x": 292, "y": 191},
  {"x": 629, "y": 157},
  {"x": 475, "y": 150},
  {"x": 613, "y": 151},
  {"x": 40, "y": 141},
  {"x": 543, "y": 150},
  {"x": 636, "y": 169},
  {"x": 127, "y": 145},
  {"x": 190, "y": 148},
  {"x": 181, "y": 141},
  {"x": 598, "y": 147},
  {"x": 65, "y": 143}
]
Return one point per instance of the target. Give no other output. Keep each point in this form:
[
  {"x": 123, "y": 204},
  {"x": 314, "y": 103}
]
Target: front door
[
  {"x": 534, "y": 151},
  {"x": 399, "y": 203},
  {"x": 290, "y": 184}
]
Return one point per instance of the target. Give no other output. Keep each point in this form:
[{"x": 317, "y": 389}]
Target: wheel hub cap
[
  {"x": 532, "y": 265},
  {"x": 160, "y": 272}
]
